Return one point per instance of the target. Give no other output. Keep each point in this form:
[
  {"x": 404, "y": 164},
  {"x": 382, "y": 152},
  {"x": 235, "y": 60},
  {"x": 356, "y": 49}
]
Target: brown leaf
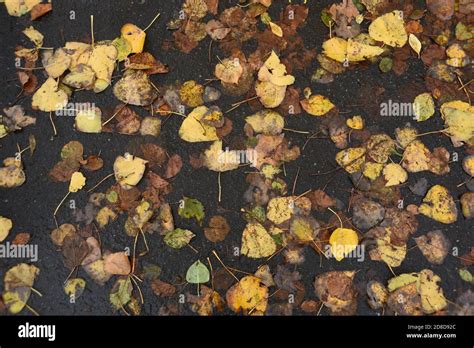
[
  {"x": 154, "y": 154},
  {"x": 174, "y": 166},
  {"x": 74, "y": 250},
  {"x": 161, "y": 288},
  {"x": 40, "y": 10},
  {"x": 63, "y": 170},
  {"x": 146, "y": 61},
  {"x": 157, "y": 181},
  {"x": 336, "y": 290},
  {"x": 212, "y": 6},
  {"x": 93, "y": 163},
  {"x": 15, "y": 118},
  {"x": 117, "y": 263},
  {"x": 217, "y": 230},
  {"x": 21, "y": 238},
  {"x": 320, "y": 200}
]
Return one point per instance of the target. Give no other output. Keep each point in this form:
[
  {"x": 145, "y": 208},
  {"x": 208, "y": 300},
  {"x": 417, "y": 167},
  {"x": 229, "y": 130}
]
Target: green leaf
[
  {"x": 466, "y": 275},
  {"x": 123, "y": 47},
  {"x": 121, "y": 292},
  {"x": 326, "y": 18},
  {"x": 178, "y": 238},
  {"x": 191, "y": 208},
  {"x": 386, "y": 64},
  {"x": 197, "y": 273}
]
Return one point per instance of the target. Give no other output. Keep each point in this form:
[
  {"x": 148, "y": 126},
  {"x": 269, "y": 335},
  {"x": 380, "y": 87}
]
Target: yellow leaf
[
  {"x": 405, "y": 135},
  {"x": 78, "y": 51},
  {"x": 129, "y": 170},
  {"x": 34, "y": 35},
  {"x": 372, "y": 170},
  {"x": 220, "y": 161},
  {"x": 143, "y": 213},
  {"x": 135, "y": 36},
  {"x": 249, "y": 294},
  {"x": 423, "y": 107},
  {"x": 18, "y": 8},
  {"x": 392, "y": 255},
  {"x": 439, "y": 205},
  {"x": 415, "y": 44},
  {"x": 48, "y": 97},
  {"x": 317, "y": 105},
  {"x": 104, "y": 216},
  {"x": 74, "y": 287},
  {"x": 468, "y": 165},
  {"x": 394, "y": 174},
  {"x": 191, "y": 94},
  {"x": 5, "y": 227},
  {"x": 402, "y": 280},
  {"x": 270, "y": 95},
  {"x": 58, "y": 63},
  {"x": 81, "y": 77},
  {"x": 280, "y": 209},
  {"x": 276, "y": 29},
  {"x": 229, "y": 70},
  {"x": 102, "y": 61},
  {"x": 432, "y": 297},
  {"x": 352, "y": 51},
  {"x": 256, "y": 242},
  {"x": 194, "y": 130},
  {"x": 335, "y": 48},
  {"x": 355, "y": 122},
  {"x": 16, "y": 299},
  {"x": 89, "y": 120},
  {"x": 416, "y": 157},
  {"x": 343, "y": 241},
  {"x": 351, "y": 159},
  {"x": 302, "y": 228},
  {"x": 390, "y": 29},
  {"x": 20, "y": 275},
  {"x": 268, "y": 122},
  {"x": 78, "y": 181},
  {"x": 459, "y": 119},
  {"x": 275, "y": 72},
  {"x": 358, "y": 51}
]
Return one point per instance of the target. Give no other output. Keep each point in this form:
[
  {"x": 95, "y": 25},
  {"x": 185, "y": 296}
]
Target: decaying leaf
[
  {"x": 178, "y": 238},
  {"x": 249, "y": 295},
  {"x": 439, "y": 205},
  {"x": 336, "y": 290},
  {"x": 135, "y": 88},
  {"x": 256, "y": 242}
]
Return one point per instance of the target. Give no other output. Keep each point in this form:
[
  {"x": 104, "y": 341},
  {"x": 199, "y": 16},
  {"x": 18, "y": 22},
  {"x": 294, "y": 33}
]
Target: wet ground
[{"x": 31, "y": 206}]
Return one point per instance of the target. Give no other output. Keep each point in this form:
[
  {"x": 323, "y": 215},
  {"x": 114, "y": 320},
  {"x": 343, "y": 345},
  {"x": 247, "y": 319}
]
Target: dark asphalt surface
[{"x": 31, "y": 206}]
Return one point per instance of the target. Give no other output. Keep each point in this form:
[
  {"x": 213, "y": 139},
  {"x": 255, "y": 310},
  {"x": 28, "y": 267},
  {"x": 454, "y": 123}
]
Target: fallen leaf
[
  {"x": 197, "y": 273},
  {"x": 178, "y": 238},
  {"x": 49, "y": 98},
  {"x": 249, "y": 294},
  {"x": 390, "y": 29},
  {"x": 439, "y": 205},
  {"x": 256, "y": 242},
  {"x": 117, "y": 263}
]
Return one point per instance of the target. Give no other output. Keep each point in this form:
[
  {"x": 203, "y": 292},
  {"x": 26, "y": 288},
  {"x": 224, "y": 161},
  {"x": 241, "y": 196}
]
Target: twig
[
  {"x": 225, "y": 267},
  {"x": 52, "y": 123},
  {"x": 151, "y": 23}
]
